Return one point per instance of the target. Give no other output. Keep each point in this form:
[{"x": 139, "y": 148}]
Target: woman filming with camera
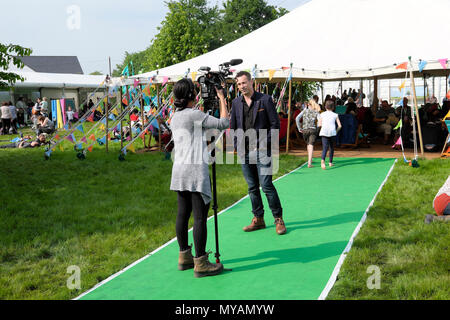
[{"x": 190, "y": 175}]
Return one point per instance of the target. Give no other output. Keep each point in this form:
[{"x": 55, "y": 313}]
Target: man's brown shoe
[
  {"x": 257, "y": 223},
  {"x": 280, "y": 227}
]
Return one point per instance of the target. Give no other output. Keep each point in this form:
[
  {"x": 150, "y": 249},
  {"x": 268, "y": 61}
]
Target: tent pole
[
  {"x": 416, "y": 108},
  {"x": 289, "y": 116},
  {"x": 107, "y": 122},
  {"x": 321, "y": 86}
]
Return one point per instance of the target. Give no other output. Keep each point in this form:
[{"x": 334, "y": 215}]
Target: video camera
[{"x": 210, "y": 80}]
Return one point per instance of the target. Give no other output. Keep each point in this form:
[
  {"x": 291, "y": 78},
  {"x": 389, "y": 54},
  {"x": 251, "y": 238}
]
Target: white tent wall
[{"x": 333, "y": 40}]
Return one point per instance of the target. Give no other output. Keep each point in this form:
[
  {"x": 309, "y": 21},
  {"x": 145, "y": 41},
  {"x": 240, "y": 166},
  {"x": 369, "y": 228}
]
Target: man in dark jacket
[{"x": 255, "y": 124}]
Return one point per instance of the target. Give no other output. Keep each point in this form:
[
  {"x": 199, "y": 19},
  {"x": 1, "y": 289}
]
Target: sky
[{"x": 91, "y": 30}]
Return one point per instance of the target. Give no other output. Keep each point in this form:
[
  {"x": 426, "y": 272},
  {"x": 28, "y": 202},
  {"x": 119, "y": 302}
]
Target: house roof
[{"x": 53, "y": 64}]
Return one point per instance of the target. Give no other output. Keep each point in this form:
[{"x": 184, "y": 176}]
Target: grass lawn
[
  {"x": 101, "y": 214},
  {"x": 413, "y": 257}
]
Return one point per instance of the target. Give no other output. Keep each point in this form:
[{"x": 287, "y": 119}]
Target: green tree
[
  {"x": 242, "y": 17},
  {"x": 96, "y": 73},
  {"x": 8, "y": 53},
  {"x": 136, "y": 62},
  {"x": 189, "y": 30}
]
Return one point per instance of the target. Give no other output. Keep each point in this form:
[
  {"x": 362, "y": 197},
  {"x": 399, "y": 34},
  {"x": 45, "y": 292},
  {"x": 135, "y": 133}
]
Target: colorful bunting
[
  {"x": 422, "y": 65},
  {"x": 80, "y": 128},
  {"x": 271, "y": 73},
  {"x": 125, "y": 101},
  {"x": 403, "y": 66},
  {"x": 84, "y": 140},
  {"x": 71, "y": 138},
  {"x": 398, "y": 143},
  {"x": 92, "y": 137},
  {"x": 91, "y": 118},
  {"x": 399, "y": 125},
  {"x": 443, "y": 63},
  {"x": 131, "y": 148}
]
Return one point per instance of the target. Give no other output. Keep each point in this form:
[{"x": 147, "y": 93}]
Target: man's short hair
[{"x": 244, "y": 73}]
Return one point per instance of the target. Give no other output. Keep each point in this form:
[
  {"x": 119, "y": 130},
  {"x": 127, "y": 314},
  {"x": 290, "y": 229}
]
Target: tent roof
[
  {"x": 57, "y": 80},
  {"x": 334, "y": 40}
]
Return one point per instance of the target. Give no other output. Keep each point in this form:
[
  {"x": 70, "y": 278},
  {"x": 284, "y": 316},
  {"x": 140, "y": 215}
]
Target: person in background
[
  {"x": 309, "y": 127},
  {"x": 69, "y": 114},
  {"x": 44, "y": 106},
  {"x": 328, "y": 132},
  {"x": 44, "y": 125},
  {"x": 13, "y": 110},
  {"x": 22, "y": 114},
  {"x": 6, "y": 117}
]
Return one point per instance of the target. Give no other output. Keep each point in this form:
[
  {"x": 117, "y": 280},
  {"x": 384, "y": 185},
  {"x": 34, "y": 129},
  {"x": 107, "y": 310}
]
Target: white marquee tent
[{"x": 338, "y": 40}]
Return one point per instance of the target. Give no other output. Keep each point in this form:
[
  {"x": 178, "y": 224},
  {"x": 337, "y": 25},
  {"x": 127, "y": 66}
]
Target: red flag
[
  {"x": 90, "y": 148},
  {"x": 403, "y": 66},
  {"x": 91, "y": 118},
  {"x": 285, "y": 68},
  {"x": 92, "y": 137},
  {"x": 125, "y": 101}
]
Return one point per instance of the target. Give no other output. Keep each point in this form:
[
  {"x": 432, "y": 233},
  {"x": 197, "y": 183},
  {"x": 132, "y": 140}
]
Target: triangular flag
[
  {"x": 398, "y": 143},
  {"x": 104, "y": 121},
  {"x": 404, "y": 66},
  {"x": 114, "y": 111},
  {"x": 402, "y": 86},
  {"x": 70, "y": 138},
  {"x": 61, "y": 148},
  {"x": 99, "y": 108},
  {"x": 57, "y": 137},
  {"x": 399, "y": 125},
  {"x": 422, "y": 65},
  {"x": 92, "y": 137},
  {"x": 84, "y": 140},
  {"x": 271, "y": 73},
  {"x": 400, "y": 103},
  {"x": 136, "y": 82},
  {"x": 66, "y": 126},
  {"x": 131, "y": 148},
  {"x": 285, "y": 68},
  {"x": 443, "y": 63},
  {"x": 90, "y": 148},
  {"x": 448, "y": 115},
  {"x": 102, "y": 127},
  {"x": 448, "y": 95},
  {"x": 125, "y": 101},
  {"x": 48, "y": 153},
  {"x": 111, "y": 116},
  {"x": 80, "y": 128},
  {"x": 146, "y": 90},
  {"x": 165, "y": 79},
  {"x": 91, "y": 118},
  {"x": 193, "y": 76}
]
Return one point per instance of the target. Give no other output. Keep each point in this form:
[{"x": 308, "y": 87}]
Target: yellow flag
[
  {"x": 193, "y": 75},
  {"x": 271, "y": 73},
  {"x": 447, "y": 116},
  {"x": 114, "y": 111},
  {"x": 99, "y": 109},
  {"x": 402, "y": 86},
  {"x": 61, "y": 147},
  {"x": 131, "y": 148},
  {"x": 102, "y": 127}
]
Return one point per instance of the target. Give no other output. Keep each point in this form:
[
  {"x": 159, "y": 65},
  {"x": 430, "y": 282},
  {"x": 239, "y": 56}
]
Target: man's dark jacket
[{"x": 264, "y": 116}]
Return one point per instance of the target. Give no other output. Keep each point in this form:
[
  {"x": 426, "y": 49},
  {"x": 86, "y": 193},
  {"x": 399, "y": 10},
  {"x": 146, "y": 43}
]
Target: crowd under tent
[{"x": 337, "y": 41}]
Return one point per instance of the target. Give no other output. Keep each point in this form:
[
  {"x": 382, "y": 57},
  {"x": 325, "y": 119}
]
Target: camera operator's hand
[
  {"x": 220, "y": 93},
  {"x": 223, "y": 102}
]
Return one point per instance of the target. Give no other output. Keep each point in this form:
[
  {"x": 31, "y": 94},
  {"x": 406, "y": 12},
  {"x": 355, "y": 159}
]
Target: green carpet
[{"x": 321, "y": 210}]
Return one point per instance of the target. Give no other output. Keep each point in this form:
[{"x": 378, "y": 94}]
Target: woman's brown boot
[
  {"x": 185, "y": 259},
  {"x": 204, "y": 268}
]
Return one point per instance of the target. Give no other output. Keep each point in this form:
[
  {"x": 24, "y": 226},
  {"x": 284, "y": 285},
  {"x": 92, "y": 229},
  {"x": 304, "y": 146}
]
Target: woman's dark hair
[{"x": 184, "y": 92}]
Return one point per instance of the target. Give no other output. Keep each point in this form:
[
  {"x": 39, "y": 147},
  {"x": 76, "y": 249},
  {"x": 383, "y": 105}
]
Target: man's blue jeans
[{"x": 256, "y": 175}]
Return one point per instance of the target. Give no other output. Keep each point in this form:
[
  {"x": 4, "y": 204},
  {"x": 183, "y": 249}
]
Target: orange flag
[
  {"x": 92, "y": 137},
  {"x": 403, "y": 66},
  {"x": 271, "y": 73},
  {"x": 90, "y": 148}
]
